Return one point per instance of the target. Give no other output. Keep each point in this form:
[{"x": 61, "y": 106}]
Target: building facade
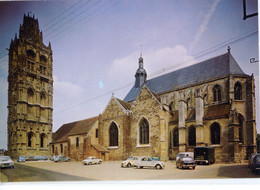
[
  {"x": 211, "y": 103},
  {"x": 30, "y": 92}
]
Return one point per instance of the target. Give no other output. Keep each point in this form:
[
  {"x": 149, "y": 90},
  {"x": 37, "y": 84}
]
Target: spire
[{"x": 140, "y": 75}]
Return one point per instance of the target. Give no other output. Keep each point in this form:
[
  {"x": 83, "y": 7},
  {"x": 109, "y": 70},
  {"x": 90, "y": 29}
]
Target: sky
[{"x": 97, "y": 43}]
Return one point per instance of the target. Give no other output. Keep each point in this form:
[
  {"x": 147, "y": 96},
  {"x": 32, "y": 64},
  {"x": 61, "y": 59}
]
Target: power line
[
  {"x": 56, "y": 24},
  {"x": 83, "y": 11},
  {"x": 70, "y": 26},
  {"x": 61, "y": 14}
]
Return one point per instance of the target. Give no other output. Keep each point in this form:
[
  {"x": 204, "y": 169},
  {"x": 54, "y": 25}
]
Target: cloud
[
  {"x": 67, "y": 89},
  {"x": 156, "y": 62},
  {"x": 204, "y": 25}
]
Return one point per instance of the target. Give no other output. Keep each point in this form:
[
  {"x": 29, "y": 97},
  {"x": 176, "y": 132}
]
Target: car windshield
[
  {"x": 130, "y": 158},
  {"x": 257, "y": 159},
  {"x": 90, "y": 158},
  {"x": 3, "y": 158},
  {"x": 182, "y": 155}
]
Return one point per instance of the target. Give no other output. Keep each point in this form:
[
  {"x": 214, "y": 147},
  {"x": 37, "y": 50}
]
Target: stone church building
[
  {"x": 30, "y": 92},
  {"x": 211, "y": 103}
]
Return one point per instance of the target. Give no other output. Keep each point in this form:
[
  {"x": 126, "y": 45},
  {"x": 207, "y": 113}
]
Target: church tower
[
  {"x": 30, "y": 92},
  {"x": 140, "y": 75}
]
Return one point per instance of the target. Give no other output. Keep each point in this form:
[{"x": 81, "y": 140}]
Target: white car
[
  {"x": 91, "y": 160},
  {"x": 6, "y": 162},
  {"x": 129, "y": 162},
  {"x": 148, "y": 162}
]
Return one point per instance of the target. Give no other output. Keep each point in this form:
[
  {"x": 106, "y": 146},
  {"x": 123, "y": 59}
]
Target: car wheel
[
  {"x": 193, "y": 167},
  {"x": 100, "y": 162},
  {"x": 90, "y": 163},
  {"x": 158, "y": 166},
  {"x": 128, "y": 165}
]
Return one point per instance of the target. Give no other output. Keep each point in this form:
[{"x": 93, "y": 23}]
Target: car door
[{"x": 150, "y": 162}]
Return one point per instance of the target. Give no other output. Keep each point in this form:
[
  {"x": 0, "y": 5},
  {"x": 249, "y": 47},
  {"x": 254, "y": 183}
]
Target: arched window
[
  {"x": 215, "y": 133},
  {"x": 241, "y": 121},
  {"x": 216, "y": 93},
  {"x": 30, "y": 139},
  {"x": 77, "y": 142},
  {"x": 113, "y": 135},
  {"x": 144, "y": 132},
  {"x": 42, "y": 140},
  {"x": 238, "y": 91},
  {"x": 176, "y": 137},
  {"x": 192, "y": 136}
]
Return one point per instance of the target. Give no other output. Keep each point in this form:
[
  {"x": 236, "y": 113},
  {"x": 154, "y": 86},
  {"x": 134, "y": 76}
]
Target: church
[{"x": 211, "y": 103}]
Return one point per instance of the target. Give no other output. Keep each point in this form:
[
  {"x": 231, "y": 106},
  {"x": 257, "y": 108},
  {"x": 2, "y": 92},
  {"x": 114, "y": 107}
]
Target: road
[
  {"x": 23, "y": 173},
  {"x": 111, "y": 170}
]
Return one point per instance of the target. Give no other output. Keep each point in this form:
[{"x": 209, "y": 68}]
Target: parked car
[
  {"x": 29, "y": 158},
  {"x": 204, "y": 155},
  {"x": 250, "y": 160},
  {"x": 148, "y": 162},
  {"x": 129, "y": 162},
  {"x": 21, "y": 159},
  {"x": 256, "y": 163},
  {"x": 6, "y": 162},
  {"x": 184, "y": 154},
  {"x": 36, "y": 158},
  {"x": 61, "y": 159},
  {"x": 91, "y": 160},
  {"x": 186, "y": 162}
]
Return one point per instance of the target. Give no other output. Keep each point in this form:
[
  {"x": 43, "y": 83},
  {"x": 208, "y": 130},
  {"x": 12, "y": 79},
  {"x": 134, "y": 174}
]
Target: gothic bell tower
[{"x": 30, "y": 92}]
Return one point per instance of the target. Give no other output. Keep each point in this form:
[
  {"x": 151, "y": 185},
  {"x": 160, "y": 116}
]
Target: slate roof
[
  {"x": 74, "y": 128},
  {"x": 214, "y": 68}
]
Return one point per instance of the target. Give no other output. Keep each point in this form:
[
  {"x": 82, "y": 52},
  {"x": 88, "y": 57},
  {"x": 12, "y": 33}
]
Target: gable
[
  {"x": 114, "y": 109},
  {"x": 146, "y": 97}
]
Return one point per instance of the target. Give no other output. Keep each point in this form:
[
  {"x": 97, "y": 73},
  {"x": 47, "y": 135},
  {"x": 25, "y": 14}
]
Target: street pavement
[{"x": 111, "y": 171}]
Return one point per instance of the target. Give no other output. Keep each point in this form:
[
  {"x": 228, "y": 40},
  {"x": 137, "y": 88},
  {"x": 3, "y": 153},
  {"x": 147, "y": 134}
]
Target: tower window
[
  {"x": 238, "y": 91},
  {"x": 144, "y": 132},
  {"x": 42, "y": 140},
  {"x": 216, "y": 93},
  {"x": 113, "y": 135}
]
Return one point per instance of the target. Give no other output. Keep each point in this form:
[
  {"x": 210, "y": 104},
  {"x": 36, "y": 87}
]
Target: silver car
[
  {"x": 6, "y": 162},
  {"x": 148, "y": 162},
  {"x": 129, "y": 162},
  {"x": 91, "y": 160}
]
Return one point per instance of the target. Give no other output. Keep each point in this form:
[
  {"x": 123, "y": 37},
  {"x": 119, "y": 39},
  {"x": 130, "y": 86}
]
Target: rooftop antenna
[
  {"x": 141, "y": 50},
  {"x": 228, "y": 49}
]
